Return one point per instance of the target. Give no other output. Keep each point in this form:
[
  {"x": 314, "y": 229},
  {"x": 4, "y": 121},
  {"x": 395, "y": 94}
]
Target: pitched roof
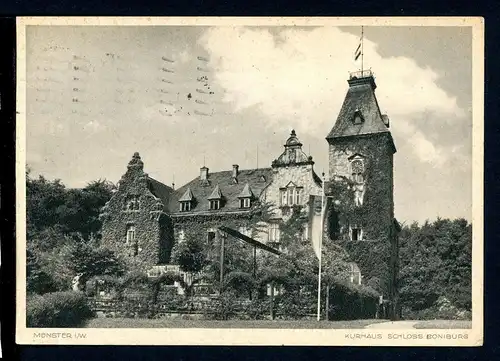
[
  {"x": 227, "y": 187},
  {"x": 216, "y": 194},
  {"x": 246, "y": 192},
  {"x": 187, "y": 196},
  {"x": 161, "y": 191},
  {"x": 360, "y": 97}
]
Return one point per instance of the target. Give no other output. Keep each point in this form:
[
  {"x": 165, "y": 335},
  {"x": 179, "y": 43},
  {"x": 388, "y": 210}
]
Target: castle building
[{"x": 145, "y": 219}]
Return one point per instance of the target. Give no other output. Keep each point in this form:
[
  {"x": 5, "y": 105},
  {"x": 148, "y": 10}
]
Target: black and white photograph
[{"x": 250, "y": 181}]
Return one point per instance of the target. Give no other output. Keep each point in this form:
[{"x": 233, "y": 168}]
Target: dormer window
[
  {"x": 215, "y": 198},
  {"x": 186, "y": 201},
  {"x": 246, "y": 197},
  {"x": 358, "y": 117},
  {"x": 185, "y": 206},
  {"x": 214, "y": 204},
  {"x": 245, "y": 203}
]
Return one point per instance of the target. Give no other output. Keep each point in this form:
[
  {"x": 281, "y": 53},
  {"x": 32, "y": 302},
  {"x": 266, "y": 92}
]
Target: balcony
[{"x": 360, "y": 74}]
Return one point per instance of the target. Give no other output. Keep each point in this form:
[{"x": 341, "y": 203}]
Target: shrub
[
  {"x": 223, "y": 308},
  {"x": 58, "y": 309},
  {"x": 349, "y": 301}
]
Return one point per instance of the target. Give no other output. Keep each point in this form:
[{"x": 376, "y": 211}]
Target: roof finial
[{"x": 293, "y": 133}]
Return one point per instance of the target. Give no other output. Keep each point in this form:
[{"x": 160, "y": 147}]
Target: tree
[
  {"x": 90, "y": 259},
  {"x": 37, "y": 279},
  {"x": 436, "y": 261},
  {"x": 191, "y": 256},
  {"x": 51, "y": 205}
]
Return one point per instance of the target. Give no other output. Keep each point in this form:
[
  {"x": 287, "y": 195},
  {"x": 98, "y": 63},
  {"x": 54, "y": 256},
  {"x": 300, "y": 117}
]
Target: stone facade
[{"x": 135, "y": 224}]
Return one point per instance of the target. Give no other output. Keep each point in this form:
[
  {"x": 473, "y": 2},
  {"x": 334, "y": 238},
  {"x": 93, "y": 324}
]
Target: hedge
[{"x": 58, "y": 309}]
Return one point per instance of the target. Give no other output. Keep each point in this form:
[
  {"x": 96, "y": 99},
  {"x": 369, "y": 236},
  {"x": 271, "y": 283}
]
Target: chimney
[
  {"x": 235, "y": 170},
  {"x": 203, "y": 173}
]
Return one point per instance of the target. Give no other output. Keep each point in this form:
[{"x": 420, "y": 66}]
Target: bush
[
  {"x": 349, "y": 301},
  {"x": 58, "y": 309}
]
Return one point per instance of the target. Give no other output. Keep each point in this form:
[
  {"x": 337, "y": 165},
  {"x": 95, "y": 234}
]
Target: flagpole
[
  {"x": 362, "y": 50},
  {"x": 321, "y": 246}
]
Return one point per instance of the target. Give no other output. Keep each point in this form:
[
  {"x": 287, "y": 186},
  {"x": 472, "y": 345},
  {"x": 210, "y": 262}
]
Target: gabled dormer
[
  {"x": 246, "y": 197},
  {"x": 358, "y": 117},
  {"x": 186, "y": 201},
  {"x": 215, "y": 198}
]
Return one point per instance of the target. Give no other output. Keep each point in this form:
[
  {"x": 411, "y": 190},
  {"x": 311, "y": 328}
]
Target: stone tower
[{"x": 361, "y": 152}]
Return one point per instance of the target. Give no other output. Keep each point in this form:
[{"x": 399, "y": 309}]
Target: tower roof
[{"x": 360, "y": 113}]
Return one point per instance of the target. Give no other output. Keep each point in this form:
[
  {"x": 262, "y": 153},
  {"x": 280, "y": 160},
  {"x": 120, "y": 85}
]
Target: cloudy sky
[{"x": 185, "y": 96}]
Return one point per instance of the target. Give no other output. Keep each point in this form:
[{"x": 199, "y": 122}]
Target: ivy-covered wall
[
  {"x": 153, "y": 236},
  {"x": 375, "y": 253}
]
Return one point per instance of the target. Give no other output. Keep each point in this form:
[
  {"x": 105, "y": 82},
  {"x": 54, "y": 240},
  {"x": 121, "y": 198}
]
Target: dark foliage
[
  {"x": 58, "y": 309},
  {"x": 436, "y": 261}
]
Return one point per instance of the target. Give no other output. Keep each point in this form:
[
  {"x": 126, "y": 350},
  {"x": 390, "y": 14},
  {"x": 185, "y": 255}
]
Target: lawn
[
  {"x": 444, "y": 324},
  {"x": 177, "y": 323}
]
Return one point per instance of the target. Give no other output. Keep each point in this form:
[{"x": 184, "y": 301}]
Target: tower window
[
  {"x": 130, "y": 233},
  {"x": 356, "y": 234},
  {"x": 357, "y": 168},
  {"x": 215, "y": 204}
]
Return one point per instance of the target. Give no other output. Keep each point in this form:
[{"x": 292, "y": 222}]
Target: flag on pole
[
  {"x": 357, "y": 53},
  {"x": 316, "y": 221},
  {"x": 359, "y": 49}
]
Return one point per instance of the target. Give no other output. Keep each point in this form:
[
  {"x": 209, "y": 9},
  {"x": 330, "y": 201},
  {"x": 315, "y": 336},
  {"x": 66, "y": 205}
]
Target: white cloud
[{"x": 299, "y": 78}]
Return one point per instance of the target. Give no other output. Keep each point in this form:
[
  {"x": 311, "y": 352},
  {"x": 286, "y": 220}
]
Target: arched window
[{"x": 357, "y": 169}]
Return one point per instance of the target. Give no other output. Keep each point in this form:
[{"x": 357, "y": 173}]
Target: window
[
  {"x": 210, "y": 237},
  {"x": 356, "y": 234},
  {"x": 132, "y": 203},
  {"x": 130, "y": 233},
  {"x": 245, "y": 203},
  {"x": 214, "y": 204},
  {"x": 181, "y": 236},
  {"x": 274, "y": 233},
  {"x": 185, "y": 206},
  {"x": 290, "y": 196},
  {"x": 296, "y": 192},
  {"x": 357, "y": 168},
  {"x": 355, "y": 274},
  {"x": 283, "y": 197}
]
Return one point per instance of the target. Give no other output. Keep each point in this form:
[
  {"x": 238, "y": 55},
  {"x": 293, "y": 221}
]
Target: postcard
[{"x": 250, "y": 181}]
